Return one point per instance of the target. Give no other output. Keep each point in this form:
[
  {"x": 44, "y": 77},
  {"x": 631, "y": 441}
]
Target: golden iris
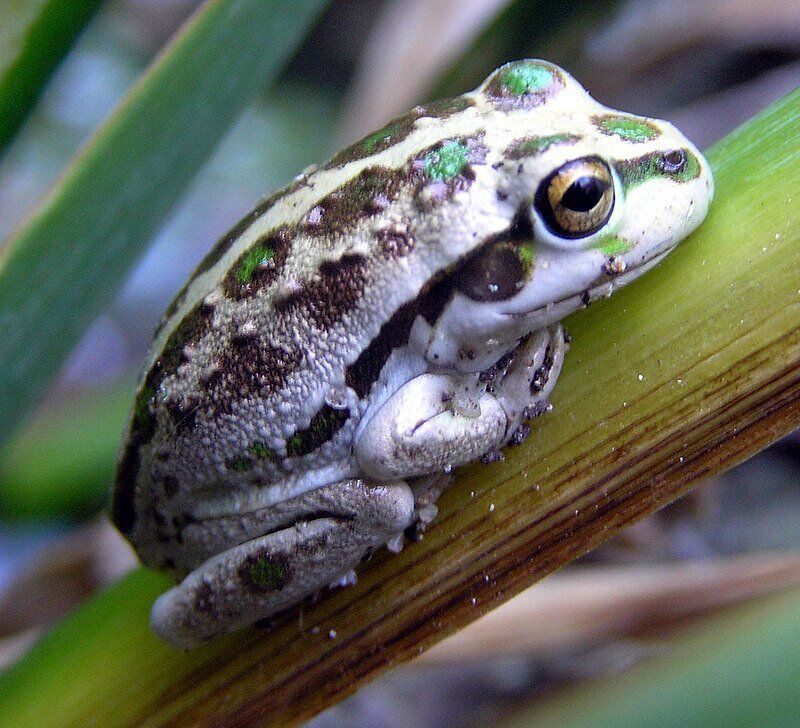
[{"x": 576, "y": 199}]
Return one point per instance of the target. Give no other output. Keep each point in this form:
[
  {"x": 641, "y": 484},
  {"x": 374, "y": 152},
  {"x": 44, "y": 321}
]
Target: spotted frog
[{"x": 387, "y": 317}]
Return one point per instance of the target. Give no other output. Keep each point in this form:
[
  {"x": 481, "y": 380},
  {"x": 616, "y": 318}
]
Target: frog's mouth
[{"x": 605, "y": 284}]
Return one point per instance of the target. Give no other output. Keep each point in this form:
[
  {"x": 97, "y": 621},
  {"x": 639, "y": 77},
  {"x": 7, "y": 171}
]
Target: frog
[{"x": 390, "y": 315}]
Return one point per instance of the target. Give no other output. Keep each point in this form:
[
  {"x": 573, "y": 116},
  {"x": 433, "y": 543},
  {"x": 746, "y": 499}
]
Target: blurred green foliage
[
  {"x": 62, "y": 463},
  {"x": 34, "y": 37}
]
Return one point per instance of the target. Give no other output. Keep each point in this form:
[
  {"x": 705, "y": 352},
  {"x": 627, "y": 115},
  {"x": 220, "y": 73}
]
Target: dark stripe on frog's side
[
  {"x": 530, "y": 146},
  {"x": 364, "y": 371},
  {"x": 398, "y": 129},
  {"x": 636, "y": 171},
  {"x": 259, "y": 265},
  {"x": 523, "y": 84},
  {"x": 322, "y": 428},
  {"x": 431, "y": 302},
  {"x": 367, "y": 194},
  {"x": 143, "y": 421},
  {"x": 330, "y": 295}
]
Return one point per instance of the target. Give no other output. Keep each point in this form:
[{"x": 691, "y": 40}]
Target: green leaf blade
[{"x": 34, "y": 37}]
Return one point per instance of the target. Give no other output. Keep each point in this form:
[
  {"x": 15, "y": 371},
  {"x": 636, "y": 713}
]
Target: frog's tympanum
[{"x": 387, "y": 317}]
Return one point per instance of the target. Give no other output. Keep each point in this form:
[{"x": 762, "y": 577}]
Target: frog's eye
[{"x": 577, "y": 199}]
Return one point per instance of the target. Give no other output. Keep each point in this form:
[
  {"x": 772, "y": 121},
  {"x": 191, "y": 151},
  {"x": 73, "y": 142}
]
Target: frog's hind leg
[{"x": 334, "y": 528}]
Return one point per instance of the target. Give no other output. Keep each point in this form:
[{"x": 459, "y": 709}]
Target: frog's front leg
[
  {"x": 332, "y": 529},
  {"x": 422, "y": 430}
]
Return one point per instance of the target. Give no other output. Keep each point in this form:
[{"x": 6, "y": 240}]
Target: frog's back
[{"x": 263, "y": 365}]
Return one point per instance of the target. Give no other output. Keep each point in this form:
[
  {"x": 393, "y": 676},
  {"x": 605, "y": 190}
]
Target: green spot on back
[
  {"x": 266, "y": 574},
  {"x": 447, "y": 162},
  {"x": 628, "y": 128},
  {"x": 536, "y": 145},
  {"x": 613, "y": 245},
  {"x": 522, "y": 78},
  {"x": 252, "y": 261},
  {"x": 371, "y": 142},
  {"x": 262, "y": 452}
]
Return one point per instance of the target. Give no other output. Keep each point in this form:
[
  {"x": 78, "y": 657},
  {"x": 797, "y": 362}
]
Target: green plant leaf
[
  {"x": 34, "y": 36},
  {"x": 64, "y": 265},
  {"x": 62, "y": 463},
  {"x": 685, "y": 372}
]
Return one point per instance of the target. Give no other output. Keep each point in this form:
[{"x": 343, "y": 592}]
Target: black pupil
[{"x": 584, "y": 193}]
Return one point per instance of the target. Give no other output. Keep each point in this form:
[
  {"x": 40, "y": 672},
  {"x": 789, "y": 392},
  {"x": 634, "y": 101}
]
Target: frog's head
[
  {"x": 601, "y": 210},
  {"x": 599, "y": 197}
]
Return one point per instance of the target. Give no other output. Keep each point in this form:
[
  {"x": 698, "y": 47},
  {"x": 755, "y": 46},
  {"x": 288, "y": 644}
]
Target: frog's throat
[{"x": 605, "y": 286}]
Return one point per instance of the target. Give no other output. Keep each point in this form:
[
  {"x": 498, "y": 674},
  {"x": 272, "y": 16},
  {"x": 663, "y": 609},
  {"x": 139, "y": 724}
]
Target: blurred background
[{"x": 706, "y": 66}]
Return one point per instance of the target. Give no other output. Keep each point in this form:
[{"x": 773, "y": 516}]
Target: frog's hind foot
[{"x": 256, "y": 579}]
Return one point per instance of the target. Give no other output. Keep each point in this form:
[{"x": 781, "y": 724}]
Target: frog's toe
[{"x": 525, "y": 387}]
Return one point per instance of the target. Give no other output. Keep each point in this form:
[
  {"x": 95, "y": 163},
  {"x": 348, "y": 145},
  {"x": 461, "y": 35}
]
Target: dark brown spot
[
  {"x": 360, "y": 198},
  {"x": 334, "y": 291},
  {"x": 209, "y": 381},
  {"x": 183, "y": 413},
  {"x": 323, "y": 426},
  {"x": 252, "y": 368}
]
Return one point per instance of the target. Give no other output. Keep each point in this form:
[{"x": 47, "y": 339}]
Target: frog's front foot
[
  {"x": 524, "y": 381},
  {"x": 421, "y": 430}
]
